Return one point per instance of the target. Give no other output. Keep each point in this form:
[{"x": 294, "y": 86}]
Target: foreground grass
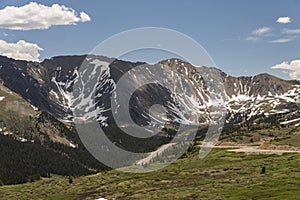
[{"x": 221, "y": 175}]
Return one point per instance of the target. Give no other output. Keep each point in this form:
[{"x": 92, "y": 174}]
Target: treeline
[{"x": 20, "y": 162}]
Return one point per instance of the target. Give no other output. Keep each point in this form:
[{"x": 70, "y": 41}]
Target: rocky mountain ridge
[{"x": 48, "y": 85}]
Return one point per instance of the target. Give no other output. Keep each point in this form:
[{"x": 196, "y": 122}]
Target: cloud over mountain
[
  {"x": 21, "y": 50},
  {"x": 37, "y": 16},
  {"x": 293, "y": 68}
]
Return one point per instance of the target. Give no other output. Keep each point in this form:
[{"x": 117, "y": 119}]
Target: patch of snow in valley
[
  {"x": 8, "y": 133},
  {"x": 290, "y": 121},
  {"x": 53, "y": 93},
  {"x": 280, "y": 111},
  {"x": 72, "y": 145},
  {"x": 21, "y": 139},
  {"x": 34, "y": 108}
]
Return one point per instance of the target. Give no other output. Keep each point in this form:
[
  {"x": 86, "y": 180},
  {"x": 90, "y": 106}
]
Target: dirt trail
[{"x": 255, "y": 149}]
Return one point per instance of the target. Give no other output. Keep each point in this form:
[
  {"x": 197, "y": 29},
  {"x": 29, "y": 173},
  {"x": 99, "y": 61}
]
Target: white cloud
[
  {"x": 284, "y": 20},
  {"x": 21, "y": 50},
  {"x": 250, "y": 38},
  {"x": 283, "y": 40},
  {"x": 293, "y": 67},
  {"x": 84, "y": 17},
  {"x": 291, "y": 31},
  {"x": 38, "y": 16},
  {"x": 261, "y": 31},
  {"x": 5, "y": 34}
]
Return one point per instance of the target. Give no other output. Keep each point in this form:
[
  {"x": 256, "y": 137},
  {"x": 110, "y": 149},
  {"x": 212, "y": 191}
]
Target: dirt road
[{"x": 255, "y": 149}]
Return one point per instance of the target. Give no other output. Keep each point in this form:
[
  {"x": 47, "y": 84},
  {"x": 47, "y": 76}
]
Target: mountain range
[{"x": 37, "y": 105}]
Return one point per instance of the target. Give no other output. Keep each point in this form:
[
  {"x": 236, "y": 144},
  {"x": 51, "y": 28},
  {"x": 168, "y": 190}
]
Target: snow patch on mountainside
[
  {"x": 246, "y": 97},
  {"x": 266, "y": 104},
  {"x": 87, "y": 84},
  {"x": 66, "y": 97}
]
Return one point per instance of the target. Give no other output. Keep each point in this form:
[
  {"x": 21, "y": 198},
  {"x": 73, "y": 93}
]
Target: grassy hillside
[
  {"x": 20, "y": 119},
  {"x": 221, "y": 175},
  {"x": 34, "y": 143},
  {"x": 264, "y": 133}
]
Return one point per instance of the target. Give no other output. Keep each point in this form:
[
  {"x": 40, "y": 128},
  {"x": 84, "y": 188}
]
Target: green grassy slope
[{"x": 221, "y": 175}]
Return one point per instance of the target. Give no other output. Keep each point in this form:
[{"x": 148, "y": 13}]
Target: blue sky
[{"x": 226, "y": 29}]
